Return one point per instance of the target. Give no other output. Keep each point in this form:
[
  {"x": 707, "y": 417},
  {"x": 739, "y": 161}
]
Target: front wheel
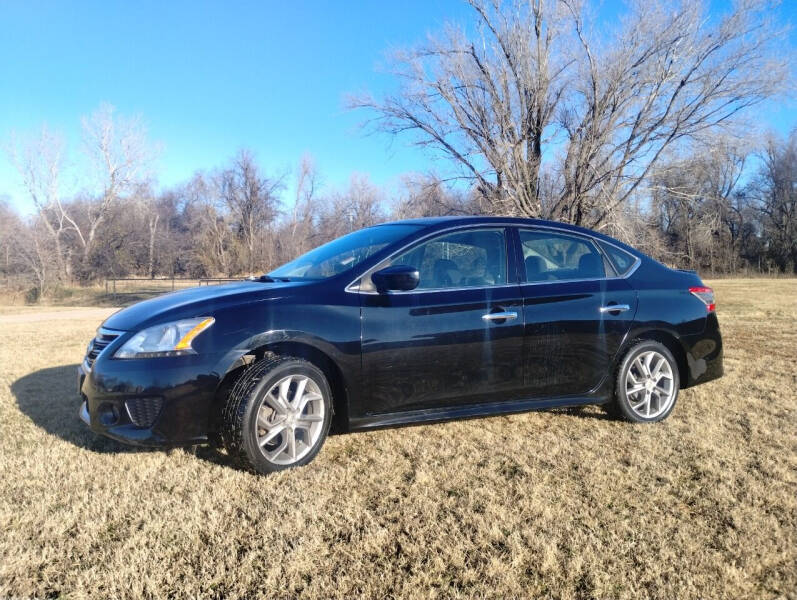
[
  {"x": 277, "y": 415},
  {"x": 647, "y": 383}
]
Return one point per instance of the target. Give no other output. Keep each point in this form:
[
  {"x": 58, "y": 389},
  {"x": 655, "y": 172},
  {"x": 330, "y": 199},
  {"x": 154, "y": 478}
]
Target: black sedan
[{"x": 406, "y": 322}]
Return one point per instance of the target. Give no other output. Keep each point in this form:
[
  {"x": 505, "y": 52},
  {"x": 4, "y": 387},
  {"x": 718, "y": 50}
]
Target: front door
[{"x": 454, "y": 340}]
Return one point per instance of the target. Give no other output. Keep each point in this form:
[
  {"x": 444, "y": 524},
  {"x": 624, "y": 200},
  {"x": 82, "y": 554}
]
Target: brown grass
[{"x": 544, "y": 504}]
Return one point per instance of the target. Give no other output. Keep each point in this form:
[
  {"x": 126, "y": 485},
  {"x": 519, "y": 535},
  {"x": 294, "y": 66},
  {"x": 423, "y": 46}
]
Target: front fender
[
  {"x": 329, "y": 331},
  {"x": 254, "y": 343}
]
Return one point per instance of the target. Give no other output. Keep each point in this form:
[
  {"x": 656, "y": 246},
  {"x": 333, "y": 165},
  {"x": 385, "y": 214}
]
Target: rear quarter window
[{"x": 621, "y": 260}]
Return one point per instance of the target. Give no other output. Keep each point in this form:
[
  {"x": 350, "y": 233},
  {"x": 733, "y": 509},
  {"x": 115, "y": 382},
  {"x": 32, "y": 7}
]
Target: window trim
[
  {"x": 629, "y": 270},
  {"x": 509, "y": 248},
  {"x": 585, "y": 237}
]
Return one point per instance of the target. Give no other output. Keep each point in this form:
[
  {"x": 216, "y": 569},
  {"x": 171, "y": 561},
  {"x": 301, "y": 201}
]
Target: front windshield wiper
[
  {"x": 262, "y": 278},
  {"x": 267, "y": 278}
]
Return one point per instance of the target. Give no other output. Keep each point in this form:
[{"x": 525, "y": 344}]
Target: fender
[
  {"x": 275, "y": 336},
  {"x": 346, "y": 362}
]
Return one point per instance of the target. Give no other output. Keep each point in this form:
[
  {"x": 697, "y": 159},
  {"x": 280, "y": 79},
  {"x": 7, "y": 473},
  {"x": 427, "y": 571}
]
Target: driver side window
[{"x": 474, "y": 258}]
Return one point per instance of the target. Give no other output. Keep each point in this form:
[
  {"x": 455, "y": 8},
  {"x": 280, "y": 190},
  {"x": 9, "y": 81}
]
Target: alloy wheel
[
  {"x": 290, "y": 419},
  {"x": 650, "y": 385}
]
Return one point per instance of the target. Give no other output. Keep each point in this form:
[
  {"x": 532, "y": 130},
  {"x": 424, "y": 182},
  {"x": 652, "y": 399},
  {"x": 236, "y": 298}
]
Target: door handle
[
  {"x": 500, "y": 316},
  {"x": 614, "y": 308}
]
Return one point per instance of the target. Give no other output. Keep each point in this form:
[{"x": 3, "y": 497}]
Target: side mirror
[{"x": 396, "y": 278}]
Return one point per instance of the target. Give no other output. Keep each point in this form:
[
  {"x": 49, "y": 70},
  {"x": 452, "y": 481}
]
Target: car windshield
[{"x": 344, "y": 253}]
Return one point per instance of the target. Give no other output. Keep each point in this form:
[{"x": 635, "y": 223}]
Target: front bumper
[{"x": 149, "y": 402}]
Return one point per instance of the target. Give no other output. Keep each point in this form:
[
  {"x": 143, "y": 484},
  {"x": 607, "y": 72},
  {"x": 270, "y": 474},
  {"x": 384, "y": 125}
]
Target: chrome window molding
[
  {"x": 431, "y": 290},
  {"x": 628, "y": 271},
  {"x": 550, "y": 281},
  {"x": 354, "y": 286},
  {"x": 595, "y": 243}
]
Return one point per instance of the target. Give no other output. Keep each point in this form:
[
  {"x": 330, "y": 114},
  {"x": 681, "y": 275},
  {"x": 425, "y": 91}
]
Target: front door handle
[
  {"x": 500, "y": 316},
  {"x": 610, "y": 308}
]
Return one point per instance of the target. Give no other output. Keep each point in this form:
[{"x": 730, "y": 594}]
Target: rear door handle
[
  {"x": 614, "y": 308},
  {"x": 500, "y": 316}
]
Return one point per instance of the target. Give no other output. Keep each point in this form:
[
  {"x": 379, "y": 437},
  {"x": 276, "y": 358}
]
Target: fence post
[{"x": 172, "y": 283}]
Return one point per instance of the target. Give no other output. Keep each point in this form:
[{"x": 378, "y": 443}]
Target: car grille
[
  {"x": 98, "y": 344},
  {"x": 144, "y": 411}
]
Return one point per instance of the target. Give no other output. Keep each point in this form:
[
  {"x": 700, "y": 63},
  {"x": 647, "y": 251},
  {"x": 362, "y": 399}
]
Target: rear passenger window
[
  {"x": 621, "y": 260},
  {"x": 552, "y": 256}
]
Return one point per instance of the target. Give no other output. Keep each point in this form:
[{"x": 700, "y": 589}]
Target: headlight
[{"x": 169, "y": 339}]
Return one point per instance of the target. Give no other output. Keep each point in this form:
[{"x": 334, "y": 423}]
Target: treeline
[
  {"x": 230, "y": 221},
  {"x": 720, "y": 210}
]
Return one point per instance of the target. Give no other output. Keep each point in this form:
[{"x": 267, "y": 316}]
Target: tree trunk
[{"x": 153, "y": 228}]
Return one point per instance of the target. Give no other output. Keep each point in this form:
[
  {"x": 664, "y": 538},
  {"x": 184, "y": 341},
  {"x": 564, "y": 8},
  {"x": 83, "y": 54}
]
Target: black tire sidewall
[
  {"x": 621, "y": 400},
  {"x": 249, "y": 433}
]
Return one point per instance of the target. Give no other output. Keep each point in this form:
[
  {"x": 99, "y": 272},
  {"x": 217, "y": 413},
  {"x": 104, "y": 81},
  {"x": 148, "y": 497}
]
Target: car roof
[
  {"x": 485, "y": 219},
  {"x": 434, "y": 223},
  {"x": 474, "y": 219}
]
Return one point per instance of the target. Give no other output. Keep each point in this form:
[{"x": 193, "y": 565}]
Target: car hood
[{"x": 195, "y": 302}]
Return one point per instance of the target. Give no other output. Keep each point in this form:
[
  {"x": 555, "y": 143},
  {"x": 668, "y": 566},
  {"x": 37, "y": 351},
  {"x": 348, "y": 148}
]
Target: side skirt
[{"x": 434, "y": 415}]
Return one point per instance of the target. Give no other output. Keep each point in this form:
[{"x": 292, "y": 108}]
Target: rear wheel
[
  {"x": 647, "y": 383},
  {"x": 277, "y": 415}
]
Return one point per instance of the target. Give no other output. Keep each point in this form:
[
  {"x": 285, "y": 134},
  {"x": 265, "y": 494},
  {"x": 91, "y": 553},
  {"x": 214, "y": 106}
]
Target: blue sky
[{"x": 210, "y": 77}]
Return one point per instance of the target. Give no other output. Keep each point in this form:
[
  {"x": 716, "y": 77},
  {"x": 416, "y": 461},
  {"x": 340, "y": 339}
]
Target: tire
[
  {"x": 263, "y": 414},
  {"x": 645, "y": 390}
]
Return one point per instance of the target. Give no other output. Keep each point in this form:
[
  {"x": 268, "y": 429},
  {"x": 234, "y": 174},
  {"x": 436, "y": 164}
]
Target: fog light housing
[{"x": 108, "y": 414}]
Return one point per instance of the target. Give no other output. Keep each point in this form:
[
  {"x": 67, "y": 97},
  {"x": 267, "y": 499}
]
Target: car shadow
[
  {"x": 49, "y": 398},
  {"x": 587, "y": 411}
]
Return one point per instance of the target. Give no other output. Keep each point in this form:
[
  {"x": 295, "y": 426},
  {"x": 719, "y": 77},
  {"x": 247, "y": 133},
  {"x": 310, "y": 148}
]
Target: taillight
[{"x": 706, "y": 295}]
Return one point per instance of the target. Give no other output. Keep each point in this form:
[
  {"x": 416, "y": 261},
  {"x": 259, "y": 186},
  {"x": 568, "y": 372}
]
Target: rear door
[
  {"x": 576, "y": 312},
  {"x": 457, "y": 338}
]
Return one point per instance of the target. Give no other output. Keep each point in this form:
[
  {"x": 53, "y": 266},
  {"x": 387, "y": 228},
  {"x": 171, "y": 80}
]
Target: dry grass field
[{"x": 548, "y": 504}]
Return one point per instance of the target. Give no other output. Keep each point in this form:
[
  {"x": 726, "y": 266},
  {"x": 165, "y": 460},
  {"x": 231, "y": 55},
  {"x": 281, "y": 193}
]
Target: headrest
[
  {"x": 534, "y": 265},
  {"x": 590, "y": 265}
]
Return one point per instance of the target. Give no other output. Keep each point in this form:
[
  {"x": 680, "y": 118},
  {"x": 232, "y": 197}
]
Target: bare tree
[
  {"x": 32, "y": 250},
  {"x": 12, "y": 228},
  {"x": 119, "y": 155},
  {"x": 9, "y": 225},
  {"x": 536, "y": 79},
  {"x": 305, "y": 204},
  {"x": 670, "y": 76},
  {"x": 208, "y": 240},
  {"x": 426, "y": 195},
  {"x": 697, "y": 202},
  {"x": 252, "y": 199},
  {"x": 776, "y": 189},
  {"x": 360, "y": 205},
  {"x": 39, "y": 161},
  {"x": 485, "y": 102},
  {"x": 146, "y": 203}
]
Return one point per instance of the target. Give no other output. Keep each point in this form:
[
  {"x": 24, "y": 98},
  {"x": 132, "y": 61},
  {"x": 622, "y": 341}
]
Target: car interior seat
[
  {"x": 534, "y": 268},
  {"x": 444, "y": 273},
  {"x": 590, "y": 265}
]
